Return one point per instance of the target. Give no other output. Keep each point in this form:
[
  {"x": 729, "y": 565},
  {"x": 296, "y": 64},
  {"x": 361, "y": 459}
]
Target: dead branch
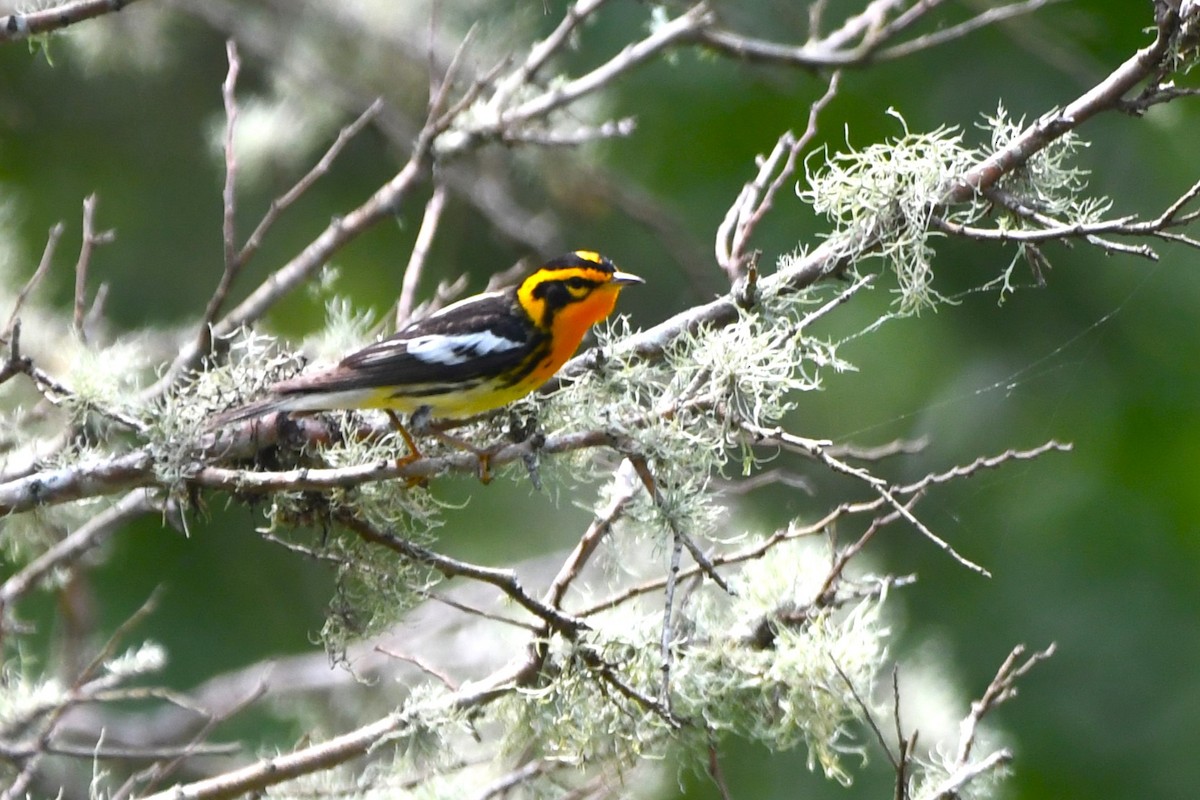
[{"x": 15, "y": 27}]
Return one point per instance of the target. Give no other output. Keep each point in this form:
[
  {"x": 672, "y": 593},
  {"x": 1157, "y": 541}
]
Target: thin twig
[
  {"x": 1001, "y": 688},
  {"x": 982, "y": 463},
  {"x": 504, "y": 580},
  {"x": 273, "y": 770},
  {"x": 715, "y": 772},
  {"x": 83, "y": 689},
  {"x": 990, "y": 16},
  {"x": 825, "y": 593},
  {"x": 196, "y": 746},
  {"x": 679, "y": 540},
  {"x": 233, "y": 265},
  {"x": 505, "y": 784},
  {"x": 950, "y": 788},
  {"x": 420, "y": 664},
  {"x": 340, "y": 232},
  {"x": 320, "y": 169},
  {"x": 757, "y": 197},
  {"x": 229, "y": 192},
  {"x": 667, "y": 634},
  {"x": 865, "y": 709},
  {"x": 749, "y": 553},
  {"x": 861, "y": 38},
  {"x": 78, "y": 542},
  {"x": 542, "y": 51},
  {"x": 597, "y": 530},
  {"x": 420, "y": 252},
  {"x": 56, "y": 232},
  {"x": 15, "y": 364},
  {"x": 819, "y": 450},
  {"x": 508, "y": 119},
  {"x": 906, "y": 744},
  {"x": 702, "y": 560}
]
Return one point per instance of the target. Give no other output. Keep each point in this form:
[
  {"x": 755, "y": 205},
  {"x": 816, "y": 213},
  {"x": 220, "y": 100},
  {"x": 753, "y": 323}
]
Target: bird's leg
[
  {"x": 419, "y": 422},
  {"x": 483, "y": 454}
]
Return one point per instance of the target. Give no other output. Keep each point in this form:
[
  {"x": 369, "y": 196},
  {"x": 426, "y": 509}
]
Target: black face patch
[{"x": 555, "y": 293}]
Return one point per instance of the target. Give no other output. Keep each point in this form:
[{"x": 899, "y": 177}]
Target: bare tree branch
[
  {"x": 15, "y": 27},
  {"x": 79, "y": 541},
  {"x": 339, "y": 749}
]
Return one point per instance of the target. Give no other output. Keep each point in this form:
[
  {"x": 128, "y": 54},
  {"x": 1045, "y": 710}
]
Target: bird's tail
[{"x": 258, "y": 408}]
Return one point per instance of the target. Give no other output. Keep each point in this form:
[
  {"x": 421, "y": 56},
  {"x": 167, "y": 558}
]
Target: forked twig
[
  {"x": 819, "y": 450},
  {"x": 89, "y": 241},
  {"x": 758, "y": 196}
]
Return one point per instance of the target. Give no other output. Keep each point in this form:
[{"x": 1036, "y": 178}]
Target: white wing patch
[{"x": 440, "y": 349}]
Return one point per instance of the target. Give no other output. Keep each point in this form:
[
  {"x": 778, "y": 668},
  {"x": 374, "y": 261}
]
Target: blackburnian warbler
[{"x": 480, "y": 353}]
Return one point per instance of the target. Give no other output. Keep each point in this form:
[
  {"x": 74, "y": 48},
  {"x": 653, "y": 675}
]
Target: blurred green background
[{"x": 1097, "y": 550}]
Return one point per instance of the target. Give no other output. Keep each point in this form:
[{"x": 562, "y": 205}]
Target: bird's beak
[{"x": 625, "y": 279}]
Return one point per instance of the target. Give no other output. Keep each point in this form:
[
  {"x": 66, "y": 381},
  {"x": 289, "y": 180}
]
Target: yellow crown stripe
[{"x": 590, "y": 255}]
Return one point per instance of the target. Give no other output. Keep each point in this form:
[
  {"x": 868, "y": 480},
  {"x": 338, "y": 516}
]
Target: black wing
[{"x": 462, "y": 344}]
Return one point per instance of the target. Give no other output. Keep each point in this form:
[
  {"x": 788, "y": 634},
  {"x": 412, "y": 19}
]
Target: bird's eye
[{"x": 577, "y": 285}]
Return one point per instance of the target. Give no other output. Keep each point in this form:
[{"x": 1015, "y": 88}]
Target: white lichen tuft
[
  {"x": 433, "y": 753},
  {"x": 180, "y": 418},
  {"x": 938, "y": 770},
  {"x": 22, "y": 698},
  {"x": 28, "y": 535},
  {"x": 1049, "y": 187},
  {"x": 346, "y": 329},
  {"x": 394, "y": 505},
  {"x": 600, "y": 702},
  {"x": 577, "y": 716},
  {"x": 883, "y": 197},
  {"x": 145, "y": 659},
  {"x": 1048, "y": 182},
  {"x": 107, "y": 378},
  {"x": 275, "y": 133},
  {"x": 797, "y": 689}
]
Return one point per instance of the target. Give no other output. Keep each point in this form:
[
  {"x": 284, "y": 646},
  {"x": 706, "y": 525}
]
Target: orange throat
[{"x": 571, "y": 324}]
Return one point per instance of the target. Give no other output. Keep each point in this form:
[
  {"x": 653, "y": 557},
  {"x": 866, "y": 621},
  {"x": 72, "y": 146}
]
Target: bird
[{"x": 475, "y": 355}]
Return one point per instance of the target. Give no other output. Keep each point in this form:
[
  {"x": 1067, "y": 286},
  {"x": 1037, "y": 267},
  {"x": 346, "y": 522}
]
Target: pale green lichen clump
[
  {"x": 884, "y": 198},
  {"x": 602, "y": 702}
]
